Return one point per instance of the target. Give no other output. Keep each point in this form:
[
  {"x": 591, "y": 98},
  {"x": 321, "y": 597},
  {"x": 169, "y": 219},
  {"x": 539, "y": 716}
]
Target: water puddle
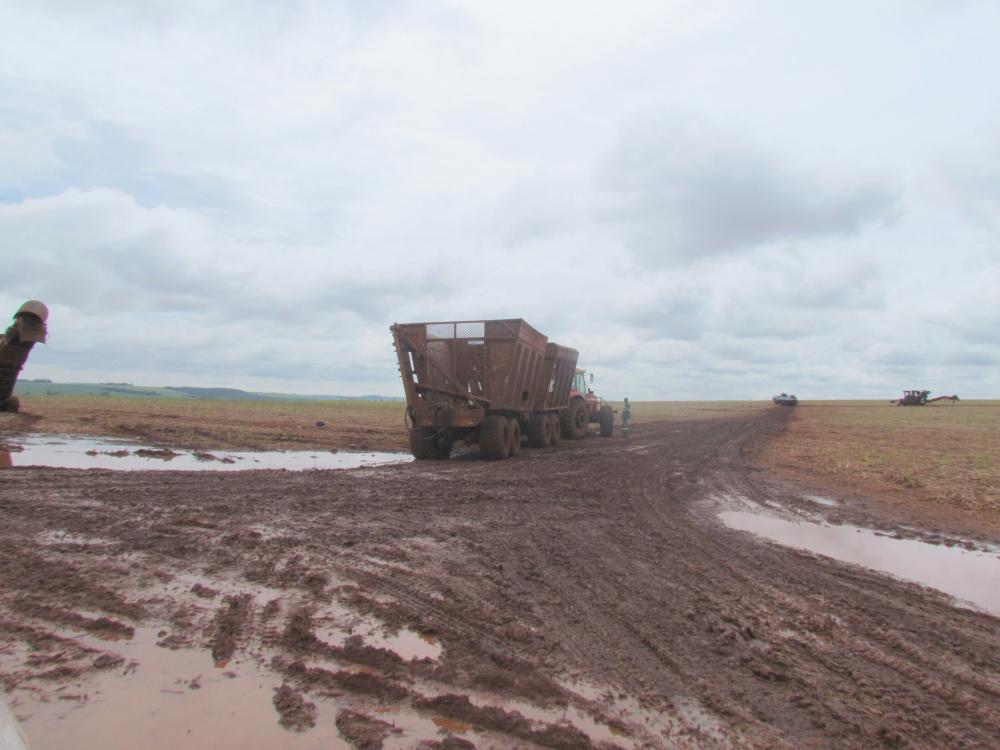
[
  {"x": 70, "y": 452},
  {"x": 334, "y": 626},
  {"x": 969, "y": 576},
  {"x": 821, "y": 500},
  {"x": 410, "y": 730},
  {"x": 451, "y": 725},
  {"x": 161, "y": 699}
]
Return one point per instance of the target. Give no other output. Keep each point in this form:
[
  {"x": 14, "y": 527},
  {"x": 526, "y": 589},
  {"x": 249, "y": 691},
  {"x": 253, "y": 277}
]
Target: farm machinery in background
[
  {"x": 785, "y": 399},
  {"x": 584, "y": 408},
  {"x": 919, "y": 398},
  {"x": 16, "y": 343},
  {"x": 491, "y": 382}
]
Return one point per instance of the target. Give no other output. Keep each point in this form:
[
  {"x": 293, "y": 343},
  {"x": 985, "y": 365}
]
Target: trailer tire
[
  {"x": 427, "y": 444},
  {"x": 493, "y": 438},
  {"x": 607, "y": 419},
  {"x": 539, "y": 429},
  {"x": 443, "y": 443},
  {"x": 515, "y": 438},
  {"x": 13, "y": 405},
  {"x": 554, "y": 429}
]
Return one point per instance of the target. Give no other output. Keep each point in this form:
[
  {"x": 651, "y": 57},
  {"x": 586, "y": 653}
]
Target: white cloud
[{"x": 708, "y": 199}]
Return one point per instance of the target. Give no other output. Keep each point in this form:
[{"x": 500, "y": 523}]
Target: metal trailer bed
[{"x": 481, "y": 381}]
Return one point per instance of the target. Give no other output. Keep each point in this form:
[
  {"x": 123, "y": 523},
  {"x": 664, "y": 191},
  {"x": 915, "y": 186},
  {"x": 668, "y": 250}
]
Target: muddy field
[{"x": 582, "y": 596}]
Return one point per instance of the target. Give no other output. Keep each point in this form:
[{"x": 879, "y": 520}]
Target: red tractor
[{"x": 586, "y": 407}]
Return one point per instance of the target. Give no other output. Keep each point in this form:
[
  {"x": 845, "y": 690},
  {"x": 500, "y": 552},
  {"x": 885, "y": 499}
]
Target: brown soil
[
  {"x": 596, "y": 562},
  {"x": 363, "y": 732},
  {"x": 296, "y": 713}
]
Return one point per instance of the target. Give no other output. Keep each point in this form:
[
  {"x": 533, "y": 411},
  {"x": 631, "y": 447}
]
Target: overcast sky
[{"x": 708, "y": 199}]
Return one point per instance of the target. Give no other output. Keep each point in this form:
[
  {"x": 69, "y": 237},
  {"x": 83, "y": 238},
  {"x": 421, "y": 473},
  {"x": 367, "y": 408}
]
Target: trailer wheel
[
  {"x": 13, "y": 405},
  {"x": 515, "y": 438},
  {"x": 554, "y": 429},
  {"x": 607, "y": 419},
  {"x": 427, "y": 443},
  {"x": 444, "y": 441},
  {"x": 539, "y": 429},
  {"x": 493, "y": 438}
]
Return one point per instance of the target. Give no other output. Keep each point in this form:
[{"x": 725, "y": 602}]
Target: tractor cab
[{"x": 580, "y": 384}]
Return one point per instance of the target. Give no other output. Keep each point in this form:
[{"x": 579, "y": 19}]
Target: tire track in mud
[
  {"x": 914, "y": 670},
  {"x": 599, "y": 560}
]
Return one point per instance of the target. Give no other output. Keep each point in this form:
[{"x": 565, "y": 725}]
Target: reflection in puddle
[
  {"x": 103, "y": 453},
  {"x": 968, "y": 576}
]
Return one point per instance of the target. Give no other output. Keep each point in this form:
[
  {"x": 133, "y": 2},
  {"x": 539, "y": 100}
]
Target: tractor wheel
[
  {"x": 427, "y": 443},
  {"x": 13, "y": 405},
  {"x": 539, "y": 428},
  {"x": 493, "y": 438},
  {"x": 554, "y": 429},
  {"x": 574, "y": 420},
  {"x": 566, "y": 423},
  {"x": 515, "y": 438},
  {"x": 607, "y": 419}
]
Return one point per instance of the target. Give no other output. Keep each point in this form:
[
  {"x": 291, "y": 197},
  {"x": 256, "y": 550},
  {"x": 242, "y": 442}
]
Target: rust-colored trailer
[
  {"x": 16, "y": 343},
  {"x": 481, "y": 381}
]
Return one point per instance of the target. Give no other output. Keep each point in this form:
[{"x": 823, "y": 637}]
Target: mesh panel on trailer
[
  {"x": 475, "y": 330},
  {"x": 440, "y": 330}
]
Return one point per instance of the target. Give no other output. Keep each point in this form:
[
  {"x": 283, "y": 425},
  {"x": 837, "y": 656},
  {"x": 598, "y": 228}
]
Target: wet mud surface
[{"x": 582, "y": 596}]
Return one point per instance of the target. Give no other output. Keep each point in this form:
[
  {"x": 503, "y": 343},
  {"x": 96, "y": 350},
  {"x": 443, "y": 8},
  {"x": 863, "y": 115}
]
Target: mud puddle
[
  {"x": 972, "y": 577},
  {"x": 71, "y": 452},
  {"x": 335, "y": 624},
  {"x": 161, "y": 699}
]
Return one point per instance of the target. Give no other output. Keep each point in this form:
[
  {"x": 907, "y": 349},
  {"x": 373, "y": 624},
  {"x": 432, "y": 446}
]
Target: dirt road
[{"x": 577, "y": 597}]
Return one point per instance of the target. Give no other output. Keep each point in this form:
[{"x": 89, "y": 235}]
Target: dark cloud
[
  {"x": 684, "y": 190},
  {"x": 673, "y": 314}
]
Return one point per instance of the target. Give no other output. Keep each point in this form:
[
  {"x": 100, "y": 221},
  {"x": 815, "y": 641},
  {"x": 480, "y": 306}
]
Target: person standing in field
[{"x": 626, "y": 418}]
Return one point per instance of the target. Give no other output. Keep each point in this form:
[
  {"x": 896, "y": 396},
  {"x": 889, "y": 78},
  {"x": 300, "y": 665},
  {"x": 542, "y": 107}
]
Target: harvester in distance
[
  {"x": 490, "y": 382},
  {"x": 919, "y": 398},
  {"x": 16, "y": 343}
]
